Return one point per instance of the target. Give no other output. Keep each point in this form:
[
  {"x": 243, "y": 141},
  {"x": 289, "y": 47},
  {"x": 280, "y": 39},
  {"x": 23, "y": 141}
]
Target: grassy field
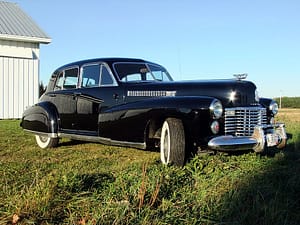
[{"x": 86, "y": 183}]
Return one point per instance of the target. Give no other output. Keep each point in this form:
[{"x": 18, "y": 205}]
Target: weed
[{"x": 87, "y": 183}]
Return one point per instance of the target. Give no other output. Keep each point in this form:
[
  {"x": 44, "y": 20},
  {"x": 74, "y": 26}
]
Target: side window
[
  {"x": 106, "y": 78},
  {"x": 132, "y": 77},
  {"x": 90, "y": 75},
  {"x": 71, "y": 78},
  {"x": 67, "y": 79},
  {"x": 59, "y": 82}
]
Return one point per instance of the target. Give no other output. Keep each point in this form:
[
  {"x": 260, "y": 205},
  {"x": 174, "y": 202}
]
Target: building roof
[{"x": 15, "y": 24}]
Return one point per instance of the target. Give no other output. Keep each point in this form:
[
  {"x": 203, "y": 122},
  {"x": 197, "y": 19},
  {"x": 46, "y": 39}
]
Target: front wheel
[
  {"x": 172, "y": 142},
  {"x": 46, "y": 142}
]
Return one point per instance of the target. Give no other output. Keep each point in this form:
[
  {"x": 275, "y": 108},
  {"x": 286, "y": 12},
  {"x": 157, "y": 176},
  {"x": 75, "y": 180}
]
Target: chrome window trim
[
  {"x": 115, "y": 83},
  {"x": 63, "y": 71},
  {"x": 100, "y": 63},
  {"x": 145, "y": 63}
]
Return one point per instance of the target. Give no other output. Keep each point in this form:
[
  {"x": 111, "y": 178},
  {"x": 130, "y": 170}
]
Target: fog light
[{"x": 215, "y": 127}]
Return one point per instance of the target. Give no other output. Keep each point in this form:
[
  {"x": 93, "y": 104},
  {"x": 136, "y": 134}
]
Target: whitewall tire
[
  {"x": 46, "y": 142},
  {"x": 172, "y": 142}
]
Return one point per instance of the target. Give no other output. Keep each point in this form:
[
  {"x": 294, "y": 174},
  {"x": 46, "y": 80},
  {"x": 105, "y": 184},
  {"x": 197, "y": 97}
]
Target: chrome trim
[
  {"x": 149, "y": 93},
  {"x": 90, "y": 98},
  {"x": 146, "y": 64},
  {"x": 100, "y": 63},
  {"x": 231, "y": 143},
  {"x": 51, "y": 135},
  {"x": 260, "y": 138},
  {"x": 256, "y": 95},
  {"x": 273, "y": 107},
  {"x": 257, "y": 142},
  {"x": 240, "y": 76},
  {"x": 102, "y": 140},
  {"x": 216, "y": 114},
  {"x": 63, "y": 71},
  {"x": 241, "y": 121}
]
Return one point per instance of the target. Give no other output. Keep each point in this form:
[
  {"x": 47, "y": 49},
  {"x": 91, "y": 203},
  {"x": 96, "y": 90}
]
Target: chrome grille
[{"x": 242, "y": 120}]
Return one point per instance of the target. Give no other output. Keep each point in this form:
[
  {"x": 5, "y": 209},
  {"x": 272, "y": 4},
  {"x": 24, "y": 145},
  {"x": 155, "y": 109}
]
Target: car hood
[{"x": 229, "y": 92}]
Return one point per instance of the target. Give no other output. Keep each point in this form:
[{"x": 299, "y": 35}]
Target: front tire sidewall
[
  {"x": 172, "y": 142},
  {"x": 165, "y": 145}
]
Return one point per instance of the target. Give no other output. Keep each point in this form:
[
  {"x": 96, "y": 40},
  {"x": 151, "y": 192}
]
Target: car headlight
[
  {"x": 273, "y": 107},
  {"x": 216, "y": 109},
  {"x": 256, "y": 95}
]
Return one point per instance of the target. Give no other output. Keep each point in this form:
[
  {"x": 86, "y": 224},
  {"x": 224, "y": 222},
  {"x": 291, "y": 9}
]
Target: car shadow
[
  {"x": 75, "y": 186},
  {"x": 268, "y": 196},
  {"x": 72, "y": 143}
]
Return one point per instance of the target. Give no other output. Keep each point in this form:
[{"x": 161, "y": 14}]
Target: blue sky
[{"x": 193, "y": 39}]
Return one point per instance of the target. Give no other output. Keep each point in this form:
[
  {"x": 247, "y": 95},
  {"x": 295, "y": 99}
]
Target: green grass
[{"x": 86, "y": 183}]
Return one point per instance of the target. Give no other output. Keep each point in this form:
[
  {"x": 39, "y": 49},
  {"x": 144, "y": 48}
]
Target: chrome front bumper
[{"x": 263, "y": 136}]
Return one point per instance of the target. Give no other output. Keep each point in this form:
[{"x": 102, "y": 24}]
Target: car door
[
  {"x": 64, "y": 97},
  {"x": 99, "y": 91}
]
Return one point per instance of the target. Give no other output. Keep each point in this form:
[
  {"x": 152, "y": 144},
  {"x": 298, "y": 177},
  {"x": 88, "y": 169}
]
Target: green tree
[{"x": 42, "y": 89}]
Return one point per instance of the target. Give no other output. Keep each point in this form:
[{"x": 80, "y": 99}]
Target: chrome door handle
[{"x": 77, "y": 93}]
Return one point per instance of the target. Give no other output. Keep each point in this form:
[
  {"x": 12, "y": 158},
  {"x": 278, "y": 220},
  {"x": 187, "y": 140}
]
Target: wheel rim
[
  {"x": 165, "y": 144},
  {"x": 42, "y": 141}
]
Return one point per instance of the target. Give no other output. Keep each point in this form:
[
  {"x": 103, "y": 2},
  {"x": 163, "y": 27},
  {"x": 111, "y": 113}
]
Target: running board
[{"x": 102, "y": 140}]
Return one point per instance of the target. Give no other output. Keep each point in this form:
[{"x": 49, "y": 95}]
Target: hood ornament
[{"x": 240, "y": 76}]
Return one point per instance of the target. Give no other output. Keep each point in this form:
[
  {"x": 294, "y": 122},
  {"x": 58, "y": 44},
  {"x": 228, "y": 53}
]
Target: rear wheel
[
  {"x": 46, "y": 142},
  {"x": 172, "y": 142}
]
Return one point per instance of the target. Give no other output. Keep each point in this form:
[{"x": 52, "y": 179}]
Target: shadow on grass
[
  {"x": 268, "y": 196},
  {"x": 72, "y": 143},
  {"x": 72, "y": 188}
]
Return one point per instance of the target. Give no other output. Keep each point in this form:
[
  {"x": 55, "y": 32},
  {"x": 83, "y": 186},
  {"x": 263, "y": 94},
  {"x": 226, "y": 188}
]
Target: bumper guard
[{"x": 266, "y": 135}]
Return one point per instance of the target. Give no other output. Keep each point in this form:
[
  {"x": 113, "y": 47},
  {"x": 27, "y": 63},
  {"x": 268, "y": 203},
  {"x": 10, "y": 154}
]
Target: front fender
[
  {"x": 265, "y": 102},
  {"x": 180, "y": 103},
  {"x": 129, "y": 121},
  {"x": 41, "y": 118}
]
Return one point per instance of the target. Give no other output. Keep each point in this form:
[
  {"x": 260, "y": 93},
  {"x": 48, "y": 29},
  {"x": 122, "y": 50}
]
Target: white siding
[
  {"x": 19, "y": 81},
  {"x": 17, "y": 49},
  {"x": 20, "y": 38},
  {"x": 1, "y": 89}
]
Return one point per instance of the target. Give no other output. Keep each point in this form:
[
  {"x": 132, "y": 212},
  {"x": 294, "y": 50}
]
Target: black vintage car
[{"x": 132, "y": 102}]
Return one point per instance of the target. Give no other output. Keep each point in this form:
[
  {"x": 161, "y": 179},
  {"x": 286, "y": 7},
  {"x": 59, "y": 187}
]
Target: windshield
[{"x": 133, "y": 72}]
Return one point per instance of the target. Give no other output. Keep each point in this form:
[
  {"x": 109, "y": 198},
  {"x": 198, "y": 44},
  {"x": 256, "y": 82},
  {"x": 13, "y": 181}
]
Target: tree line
[{"x": 289, "y": 102}]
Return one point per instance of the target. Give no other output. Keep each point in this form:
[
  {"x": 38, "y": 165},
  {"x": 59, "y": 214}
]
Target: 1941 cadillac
[{"x": 133, "y": 102}]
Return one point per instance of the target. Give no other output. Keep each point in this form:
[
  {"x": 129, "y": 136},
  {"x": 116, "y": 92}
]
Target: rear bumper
[{"x": 263, "y": 136}]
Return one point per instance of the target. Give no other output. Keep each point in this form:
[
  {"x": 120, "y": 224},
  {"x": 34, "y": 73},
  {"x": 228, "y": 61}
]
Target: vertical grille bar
[{"x": 242, "y": 120}]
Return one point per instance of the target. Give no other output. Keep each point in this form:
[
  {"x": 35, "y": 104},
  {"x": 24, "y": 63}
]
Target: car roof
[{"x": 109, "y": 61}]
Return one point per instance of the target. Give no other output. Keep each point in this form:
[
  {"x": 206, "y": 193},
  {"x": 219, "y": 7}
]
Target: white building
[{"x": 20, "y": 39}]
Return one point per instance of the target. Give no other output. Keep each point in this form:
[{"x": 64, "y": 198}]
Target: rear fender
[{"x": 41, "y": 118}]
